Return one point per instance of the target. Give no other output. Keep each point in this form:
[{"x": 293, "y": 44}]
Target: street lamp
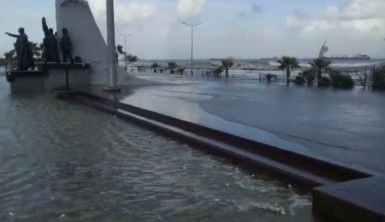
[
  {"x": 125, "y": 48},
  {"x": 192, "y": 26},
  {"x": 111, "y": 59}
]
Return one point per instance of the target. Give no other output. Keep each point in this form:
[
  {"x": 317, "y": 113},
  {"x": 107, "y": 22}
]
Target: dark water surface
[{"x": 67, "y": 162}]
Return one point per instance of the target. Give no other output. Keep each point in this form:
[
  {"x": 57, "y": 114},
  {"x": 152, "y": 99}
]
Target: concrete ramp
[{"x": 88, "y": 41}]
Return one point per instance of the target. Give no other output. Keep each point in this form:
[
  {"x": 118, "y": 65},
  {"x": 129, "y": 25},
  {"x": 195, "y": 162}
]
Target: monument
[
  {"x": 66, "y": 46},
  {"x": 79, "y": 38},
  {"x": 24, "y": 55},
  {"x": 87, "y": 40},
  {"x": 50, "y": 46},
  {"x": 324, "y": 49},
  {"x": 89, "y": 44}
]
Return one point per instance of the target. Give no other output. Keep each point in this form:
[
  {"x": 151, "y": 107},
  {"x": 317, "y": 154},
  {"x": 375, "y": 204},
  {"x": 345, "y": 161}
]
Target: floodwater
[
  {"x": 67, "y": 162},
  {"x": 342, "y": 125}
]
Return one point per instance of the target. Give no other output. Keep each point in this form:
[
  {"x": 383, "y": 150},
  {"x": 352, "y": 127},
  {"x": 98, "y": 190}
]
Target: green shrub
[
  {"x": 341, "y": 81},
  {"x": 218, "y": 71},
  {"x": 299, "y": 80},
  {"x": 378, "y": 78},
  {"x": 324, "y": 82},
  {"x": 309, "y": 76}
]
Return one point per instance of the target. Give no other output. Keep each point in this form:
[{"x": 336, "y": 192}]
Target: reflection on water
[{"x": 61, "y": 161}]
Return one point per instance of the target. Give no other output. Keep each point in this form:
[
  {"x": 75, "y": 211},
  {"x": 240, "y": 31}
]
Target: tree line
[
  {"x": 9, "y": 58},
  {"x": 319, "y": 73},
  {"x": 325, "y": 76}
]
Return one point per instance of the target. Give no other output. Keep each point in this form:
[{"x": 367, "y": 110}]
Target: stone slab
[{"x": 361, "y": 200}]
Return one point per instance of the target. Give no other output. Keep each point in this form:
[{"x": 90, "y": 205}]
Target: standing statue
[
  {"x": 66, "y": 46},
  {"x": 50, "y": 51},
  {"x": 23, "y": 50}
]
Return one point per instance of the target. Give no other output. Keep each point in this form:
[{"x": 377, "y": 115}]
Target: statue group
[{"x": 51, "y": 45}]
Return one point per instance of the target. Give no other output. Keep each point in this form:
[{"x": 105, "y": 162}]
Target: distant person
[
  {"x": 66, "y": 46},
  {"x": 23, "y": 50},
  {"x": 268, "y": 78},
  {"x": 50, "y": 46}
]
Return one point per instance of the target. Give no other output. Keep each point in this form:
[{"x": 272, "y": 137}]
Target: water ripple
[{"x": 62, "y": 161}]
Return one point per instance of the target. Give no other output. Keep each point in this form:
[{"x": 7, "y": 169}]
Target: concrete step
[
  {"x": 300, "y": 177},
  {"x": 216, "y": 146}
]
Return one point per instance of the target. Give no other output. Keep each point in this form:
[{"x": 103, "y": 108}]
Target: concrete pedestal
[
  {"x": 53, "y": 76},
  {"x": 76, "y": 75},
  {"x": 26, "y": 81}
]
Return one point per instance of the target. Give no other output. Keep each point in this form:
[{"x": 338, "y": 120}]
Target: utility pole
[
  {"x": 192, "y": 26},
  {"x": 125, "y": 49},
  {"x": 111, "y": 48}
]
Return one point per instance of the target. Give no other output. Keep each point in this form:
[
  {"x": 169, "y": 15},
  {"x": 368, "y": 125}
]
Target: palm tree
[
  {"x": 181, "y": 70},
  {"x": 320, "y": 65},
  {"x": 217, "y": 72},
  {"x": 288, "y": 63},
  {"x": 128, "y": 58},
  {"x": 120, "y": 50},
  {"x": 132, "y": 58},
  {"x": 226, "y": 65},
  {"x": 36, "y": 50},
  {"x": 172, "y": 66},
  {"x": 155, "y": 66},
  {"x": 10, "y": 59}
]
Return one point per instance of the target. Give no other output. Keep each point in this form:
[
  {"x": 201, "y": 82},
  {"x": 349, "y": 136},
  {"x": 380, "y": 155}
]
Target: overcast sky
[{"x": 237, "y": 28}]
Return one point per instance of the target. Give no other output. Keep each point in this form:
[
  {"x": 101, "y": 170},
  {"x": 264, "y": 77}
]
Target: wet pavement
[{"x": 342, "y": 125}]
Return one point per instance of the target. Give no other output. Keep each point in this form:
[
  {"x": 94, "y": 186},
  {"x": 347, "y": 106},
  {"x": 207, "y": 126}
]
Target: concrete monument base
[
  {"x": 51, "y": 77},
  {"x": 26, "y": 81}
]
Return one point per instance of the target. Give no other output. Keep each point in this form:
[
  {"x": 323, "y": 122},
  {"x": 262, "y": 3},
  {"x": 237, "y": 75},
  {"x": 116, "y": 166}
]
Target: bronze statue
[
  {"x": 50, "y": 46},
  {"x": 23, "y": 50},
  {"x": 66, "y": 46}
]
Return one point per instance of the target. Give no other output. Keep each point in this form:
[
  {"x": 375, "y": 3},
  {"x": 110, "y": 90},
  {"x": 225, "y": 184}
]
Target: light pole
[
  {"x": 125, "y": 49},
  {"x": 111, "y": 51},
  {"x": 192, "y": 26}
]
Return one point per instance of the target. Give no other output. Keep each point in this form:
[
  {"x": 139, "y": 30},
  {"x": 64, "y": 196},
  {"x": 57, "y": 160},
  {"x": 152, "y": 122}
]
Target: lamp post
[
  {"x": 111, "y": 51},
  {"x": 192, "y": 26},
  {"x": 125, "y": 48}
]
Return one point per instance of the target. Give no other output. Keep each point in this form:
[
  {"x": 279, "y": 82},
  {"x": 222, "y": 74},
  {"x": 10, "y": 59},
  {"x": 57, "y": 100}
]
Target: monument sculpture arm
[
  {"x": 12, "y": 35},
  {"x": 45, "y": 27}
]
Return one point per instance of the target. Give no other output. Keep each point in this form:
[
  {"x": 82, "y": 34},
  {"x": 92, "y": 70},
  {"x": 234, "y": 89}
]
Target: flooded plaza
[{"x": 67, "y": 162}]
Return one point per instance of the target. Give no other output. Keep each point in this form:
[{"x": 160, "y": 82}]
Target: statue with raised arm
[
  {"x": 66, "y": 46},
  {"x": 23, "y": 50},
  {"x": 50, "y": 46}
]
